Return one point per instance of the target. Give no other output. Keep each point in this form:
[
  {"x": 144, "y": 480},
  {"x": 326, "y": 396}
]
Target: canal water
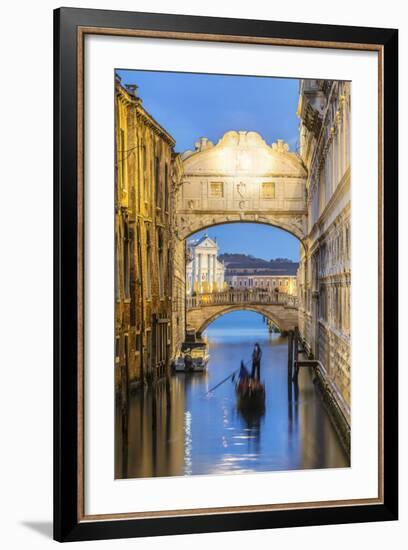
[{"x": 180, "y": 429}]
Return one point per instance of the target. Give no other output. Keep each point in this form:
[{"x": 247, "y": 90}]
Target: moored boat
[{"x": 194, "y": 360}]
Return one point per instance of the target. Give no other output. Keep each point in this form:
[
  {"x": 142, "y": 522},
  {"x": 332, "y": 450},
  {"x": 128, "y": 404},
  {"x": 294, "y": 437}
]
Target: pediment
[{"x": 243, "y": 153}]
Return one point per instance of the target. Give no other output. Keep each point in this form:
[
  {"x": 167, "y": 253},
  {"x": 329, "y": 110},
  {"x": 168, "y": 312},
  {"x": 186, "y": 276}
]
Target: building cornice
[
  {"x": 242, "y": 174},
  {"x": 136, "y": 103}
]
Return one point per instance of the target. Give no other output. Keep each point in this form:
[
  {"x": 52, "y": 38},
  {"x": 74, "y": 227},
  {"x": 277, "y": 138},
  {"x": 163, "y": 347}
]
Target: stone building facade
[
  {"x": 144, "y": 177},
  {"x": 204, "y": 272},
  {"x": 325, "y": 273}
]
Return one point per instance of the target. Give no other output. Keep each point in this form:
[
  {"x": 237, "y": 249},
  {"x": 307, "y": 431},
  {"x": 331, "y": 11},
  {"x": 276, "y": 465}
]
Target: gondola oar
[
  {"x": 222, "y": 382},
  {"x": 225, "y": 379}
]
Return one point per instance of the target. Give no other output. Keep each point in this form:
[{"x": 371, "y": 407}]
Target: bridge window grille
[
  {"x": 216, "y": 190},
  {"x": 268, "y": 190}
]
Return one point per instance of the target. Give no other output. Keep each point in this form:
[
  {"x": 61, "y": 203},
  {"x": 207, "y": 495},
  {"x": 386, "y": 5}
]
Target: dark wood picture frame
[{"x": 70, "y": 27}]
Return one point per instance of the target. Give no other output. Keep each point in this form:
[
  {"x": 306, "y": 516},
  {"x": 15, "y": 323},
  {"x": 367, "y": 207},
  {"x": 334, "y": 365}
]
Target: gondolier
[{"x": 256, "y": 362}]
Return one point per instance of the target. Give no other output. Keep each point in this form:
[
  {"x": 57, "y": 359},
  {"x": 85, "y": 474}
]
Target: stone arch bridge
[
  {"x": 203, "y": 309},
  {"x": 241, "y": 179}
]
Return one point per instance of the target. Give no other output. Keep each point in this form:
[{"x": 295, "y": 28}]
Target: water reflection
[{"x": 180, "y": 429}]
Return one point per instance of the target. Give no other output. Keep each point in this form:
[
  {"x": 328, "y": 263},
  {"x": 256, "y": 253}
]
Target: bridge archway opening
[
  {"x": 259, "y": 311},
  {"x": 227, "y": 255},
  {"x": 247, "y": 222}
]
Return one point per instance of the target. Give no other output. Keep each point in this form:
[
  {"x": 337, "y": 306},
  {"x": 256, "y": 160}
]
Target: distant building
[
  {"x": 243, "y": 263},
  {"x": 278, "y": 283},
  {"x": 205, "y": 273},
  {"x": 243, "y": 271}
]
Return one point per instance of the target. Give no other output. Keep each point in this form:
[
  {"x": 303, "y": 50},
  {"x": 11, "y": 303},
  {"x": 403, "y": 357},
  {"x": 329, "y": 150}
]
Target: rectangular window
[
  {"x": 117, "y": 270},
  {"x": 126, "y": 261},
  {"x": 268, "y": 190},
  {"x": 138, "y": 342},
  {"x": 144, "y": 162},
  {"x": 216, "y": 190},
  {"x": 149, "y": 264},
  {"x": 157, "y": 180},
  {"x": 122, "y": 158},
  {"x": 117, "y": 348},
  {"x": 166, "y": 188}
]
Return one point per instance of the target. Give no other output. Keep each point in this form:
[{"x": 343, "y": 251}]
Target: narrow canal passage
[{"x": 182, "y": 431}]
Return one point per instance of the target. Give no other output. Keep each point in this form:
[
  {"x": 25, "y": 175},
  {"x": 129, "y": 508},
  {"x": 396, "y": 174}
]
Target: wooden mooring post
[
  {"x": 296, "y": 354},
  {"x": 290, "y": 355}
]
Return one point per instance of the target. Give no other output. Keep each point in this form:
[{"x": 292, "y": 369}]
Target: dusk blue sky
[
  {"x": 190, "y": 106},
  {"x": 260, "y": 240}
]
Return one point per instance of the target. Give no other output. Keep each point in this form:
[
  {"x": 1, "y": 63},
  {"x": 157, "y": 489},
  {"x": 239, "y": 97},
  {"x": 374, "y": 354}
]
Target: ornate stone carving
[
  {"x": 280, "y": 146},
  {"x": 241, "y": 189},
  {"x": 213, "y": 186}
]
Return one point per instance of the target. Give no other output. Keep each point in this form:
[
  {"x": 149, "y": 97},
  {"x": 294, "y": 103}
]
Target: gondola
[{"x": 250, "y": 394}]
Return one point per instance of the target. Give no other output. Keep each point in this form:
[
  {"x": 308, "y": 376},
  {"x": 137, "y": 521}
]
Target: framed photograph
[{"x": 225, "y": 274}]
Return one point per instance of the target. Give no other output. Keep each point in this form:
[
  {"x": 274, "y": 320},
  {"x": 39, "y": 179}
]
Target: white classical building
[{"x": 204, "y": 272}]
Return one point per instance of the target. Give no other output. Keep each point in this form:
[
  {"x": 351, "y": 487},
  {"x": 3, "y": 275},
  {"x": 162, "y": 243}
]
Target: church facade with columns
[{"x": 204, "y": 272}]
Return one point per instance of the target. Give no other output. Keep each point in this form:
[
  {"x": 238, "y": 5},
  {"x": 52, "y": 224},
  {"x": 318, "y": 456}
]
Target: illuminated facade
[
  {"x": 144, "y": 178},
  {"x": 242, "y": 179},
  {"x": 325, "y": 271},
  {"x": 271, "y": 283},
  {"x": 204, "y": 272}
]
